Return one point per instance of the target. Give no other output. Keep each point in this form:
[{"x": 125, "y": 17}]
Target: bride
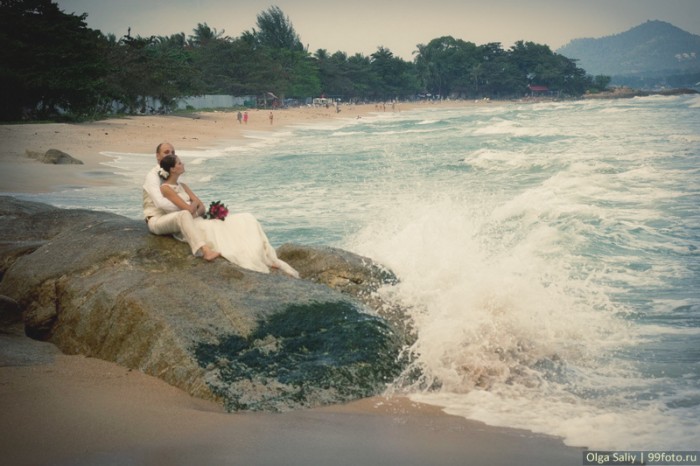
[{"x": 239, "y": 237}]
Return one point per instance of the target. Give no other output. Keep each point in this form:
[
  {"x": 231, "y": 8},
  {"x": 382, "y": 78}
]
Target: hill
[{"x": 653, "y": 51}]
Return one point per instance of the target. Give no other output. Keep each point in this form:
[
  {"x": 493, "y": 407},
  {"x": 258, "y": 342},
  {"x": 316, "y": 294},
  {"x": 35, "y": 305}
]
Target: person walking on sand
[
  {"x": 239, "y": 117},
  {"x": 245, "y": 117},
  {"x": 162, "y": 215},
  {"x": 271, "y": 117}
]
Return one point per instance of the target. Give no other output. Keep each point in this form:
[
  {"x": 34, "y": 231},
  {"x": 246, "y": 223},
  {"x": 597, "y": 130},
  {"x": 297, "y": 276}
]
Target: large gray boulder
[
  {"x": 54, "y": 156},
  {"x": 99, "y": 284}
]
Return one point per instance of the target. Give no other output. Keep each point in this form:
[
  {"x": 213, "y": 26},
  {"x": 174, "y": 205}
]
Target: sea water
[{"x": 547, "y": 252}]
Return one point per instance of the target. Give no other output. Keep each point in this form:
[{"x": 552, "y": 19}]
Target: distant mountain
[{"x": 654, "y": 49}]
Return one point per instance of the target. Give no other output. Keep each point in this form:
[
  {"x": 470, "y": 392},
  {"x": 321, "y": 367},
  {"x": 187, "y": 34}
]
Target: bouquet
[{"x": 217, "y": 210}]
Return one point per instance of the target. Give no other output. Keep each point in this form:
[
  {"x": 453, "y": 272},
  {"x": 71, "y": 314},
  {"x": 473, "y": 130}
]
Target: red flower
[{"x": 217, "y": 210}]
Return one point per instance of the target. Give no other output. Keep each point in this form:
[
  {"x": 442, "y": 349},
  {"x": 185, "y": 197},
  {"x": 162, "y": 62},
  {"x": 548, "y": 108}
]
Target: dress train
[{"x": 241, "y": 240}]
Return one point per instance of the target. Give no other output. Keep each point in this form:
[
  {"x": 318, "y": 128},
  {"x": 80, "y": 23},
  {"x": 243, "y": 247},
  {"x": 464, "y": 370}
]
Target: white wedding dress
[{"x": 240, "y": 239}]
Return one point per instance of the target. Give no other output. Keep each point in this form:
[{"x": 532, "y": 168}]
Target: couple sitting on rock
[{"x": 171, "y": 208}]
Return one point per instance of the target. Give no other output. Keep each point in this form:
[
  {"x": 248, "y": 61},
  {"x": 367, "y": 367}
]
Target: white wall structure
[{"x": 215, "y": 101}]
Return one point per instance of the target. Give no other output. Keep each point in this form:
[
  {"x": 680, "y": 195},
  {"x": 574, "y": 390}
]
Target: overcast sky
[{"x": 354, "y": 26}]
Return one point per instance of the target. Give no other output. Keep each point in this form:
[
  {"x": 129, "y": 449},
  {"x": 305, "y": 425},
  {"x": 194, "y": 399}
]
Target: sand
[{"x": 72, "y": 410}]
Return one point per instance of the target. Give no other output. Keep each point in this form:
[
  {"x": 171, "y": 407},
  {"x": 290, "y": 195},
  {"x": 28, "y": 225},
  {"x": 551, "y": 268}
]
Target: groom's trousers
[{"x": 179, "y": 224}]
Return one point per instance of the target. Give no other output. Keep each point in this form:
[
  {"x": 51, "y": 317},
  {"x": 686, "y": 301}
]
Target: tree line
[{"x": 53, "y": 65}]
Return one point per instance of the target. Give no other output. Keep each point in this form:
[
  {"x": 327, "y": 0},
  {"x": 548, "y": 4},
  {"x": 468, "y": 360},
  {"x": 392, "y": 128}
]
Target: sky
[{"x": 361, "y": 26}]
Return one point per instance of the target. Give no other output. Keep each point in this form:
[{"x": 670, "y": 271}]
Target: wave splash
[{"x": 513, "y": 328}]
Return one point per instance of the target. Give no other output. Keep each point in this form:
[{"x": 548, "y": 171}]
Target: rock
[
  {"x": 627, "y": 93},
  {"x": 99, "y": 284},
  {"x": 54, "y": 156},
  {"x": 350, "y": 274},
  {"x": 10, "y": 312}
]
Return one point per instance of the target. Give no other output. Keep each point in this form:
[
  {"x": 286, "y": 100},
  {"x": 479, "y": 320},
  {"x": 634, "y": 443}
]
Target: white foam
[
  {"x": 649, "y": 426},
  {"x": 694, "y": 102},
  {"x": 499, "y": 126}
]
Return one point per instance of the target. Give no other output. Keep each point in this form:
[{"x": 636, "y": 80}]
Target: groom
[{"x": 164, "y": 218}]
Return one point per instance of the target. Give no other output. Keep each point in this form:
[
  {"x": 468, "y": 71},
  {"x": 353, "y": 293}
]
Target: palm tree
[
  {"x": 203, "y": 35},
  {"x": 275, "y": 30}
]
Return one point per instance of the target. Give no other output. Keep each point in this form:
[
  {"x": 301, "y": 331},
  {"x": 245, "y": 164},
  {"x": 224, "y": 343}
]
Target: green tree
[
  {"x": 150, "y": 67},
  {"x": 204, "y": 35},
  {"x": 537, "y": 64},
  {"x": 530, "y": 59},
  {"x": 601, "y": 82},
  {"x": 491, "y": 75},
  {"x": 291, "y": 71},
  {"x": 363, "y": 78},
  {"x": 571, "y": 79},
  {"x": 132, "y": 78},
  {"x": 50, "y": 62},
  {"x": 334, "y": 74},
  {"x": 303, "y": 76},
  {"x": 276, "y": 31},
  {"x": 217, "y": 60},
  {"x": 396, "y": 78},
  {"x": 179, "y": 70},
  {"x": 445, "y": 65}
]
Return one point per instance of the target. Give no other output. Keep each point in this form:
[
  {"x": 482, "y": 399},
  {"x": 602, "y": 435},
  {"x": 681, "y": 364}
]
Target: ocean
[{"x": 547, "y": 252}]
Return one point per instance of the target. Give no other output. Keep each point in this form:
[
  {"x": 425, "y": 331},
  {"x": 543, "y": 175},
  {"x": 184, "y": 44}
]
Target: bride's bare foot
[
  {"x": 211, "y": 256},
  {"x": 208, "y": 254}
]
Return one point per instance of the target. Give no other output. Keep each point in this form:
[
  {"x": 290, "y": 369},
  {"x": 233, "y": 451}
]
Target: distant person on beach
[
  {"x": 271, "y": 117},
  {"x": 245, "y": 117},
  {"x": 237, "y": 237},
  {"x": 239, "y": 117},
  {"x": 164, "y": 217}
]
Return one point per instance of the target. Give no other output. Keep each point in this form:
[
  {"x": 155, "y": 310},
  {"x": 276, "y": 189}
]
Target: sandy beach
[
  {"x": 72, "y": 410},
  {"x": 134, "y": 134}
]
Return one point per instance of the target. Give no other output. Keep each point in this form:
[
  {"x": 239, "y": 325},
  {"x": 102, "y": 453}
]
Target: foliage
[
  {"x": 447, "y": 65},
  {"x": 275, "y": 31},
  {"x": 49, "y": 61},
  {"x": 52, "y": 64},
  {"x": 150, "y": 67}
]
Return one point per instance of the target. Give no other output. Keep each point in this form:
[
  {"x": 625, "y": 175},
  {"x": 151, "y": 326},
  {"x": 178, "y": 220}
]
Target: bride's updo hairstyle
[{"x": 166, "y": 164}]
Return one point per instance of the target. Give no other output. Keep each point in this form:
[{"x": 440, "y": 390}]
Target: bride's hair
[{"x": 166, "y": 164}]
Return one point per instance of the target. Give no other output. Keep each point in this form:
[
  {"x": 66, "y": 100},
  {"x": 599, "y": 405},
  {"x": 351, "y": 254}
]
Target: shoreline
[
  {"x": 65, "y": 409},
  {"x": 89, "y": 142}
]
